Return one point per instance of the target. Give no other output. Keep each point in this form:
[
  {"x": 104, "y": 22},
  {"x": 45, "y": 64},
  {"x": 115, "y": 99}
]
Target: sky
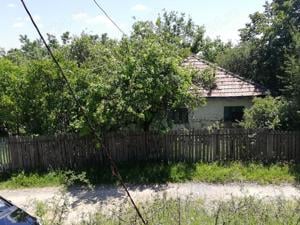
[{"x": 221, "y": 18}]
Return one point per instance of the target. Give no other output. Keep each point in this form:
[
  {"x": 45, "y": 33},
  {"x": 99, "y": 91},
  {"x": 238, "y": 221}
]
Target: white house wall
[{"x": 213, "y": 111}]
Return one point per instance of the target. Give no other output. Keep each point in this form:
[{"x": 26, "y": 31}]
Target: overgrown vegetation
[
  {"x": 268, "y": 53},
  {"x": 129, "y": 83},
  {"x": 28, "y": 180},
  {"x": 162, "y": 173},
  {"x": 246, "y": 210},
  {"x": 136, "y": 81},
  {"x": 42, "y": 179},
  {"x": 269, "y": 112},
  {"x": 206, "y": 78}
]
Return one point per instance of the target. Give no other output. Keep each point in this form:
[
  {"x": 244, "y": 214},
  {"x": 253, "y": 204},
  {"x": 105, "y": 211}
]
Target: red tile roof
[{"x": 227, "y": 84}]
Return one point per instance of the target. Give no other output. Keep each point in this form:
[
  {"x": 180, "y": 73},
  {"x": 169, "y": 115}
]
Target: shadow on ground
[{"x": 105, "y": 193}]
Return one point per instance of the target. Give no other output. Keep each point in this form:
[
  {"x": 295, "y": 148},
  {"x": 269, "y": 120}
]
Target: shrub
[
  {"x": 206, "y": 78},
  {"x": 266, "y": 112}
]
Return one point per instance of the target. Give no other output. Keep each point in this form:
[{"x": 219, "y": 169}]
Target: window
[
  {"x": 233, "y": 113},
  {"x": 180, "y": 115}
]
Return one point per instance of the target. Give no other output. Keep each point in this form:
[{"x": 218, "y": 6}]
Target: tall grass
[
  {"x": 189, "y": 211},
  {"x": 202, "y": 172},
  {"x": 162, "y": 173},
  {"x": 30, "y": 180},
  {"x": 246, "y": 211}
]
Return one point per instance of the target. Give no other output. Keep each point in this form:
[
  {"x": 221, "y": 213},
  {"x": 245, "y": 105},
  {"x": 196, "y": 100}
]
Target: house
[{"x": 225, "y": 102}]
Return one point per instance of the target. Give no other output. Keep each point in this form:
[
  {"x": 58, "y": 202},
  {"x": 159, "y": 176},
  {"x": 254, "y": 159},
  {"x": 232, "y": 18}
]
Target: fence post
[
  {"x": 269, "y": 135},
  {"x": 214, "y": 145}
]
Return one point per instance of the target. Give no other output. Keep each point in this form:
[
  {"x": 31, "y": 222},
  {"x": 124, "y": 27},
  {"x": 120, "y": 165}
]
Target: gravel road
[{"x": 105, "y": 197}]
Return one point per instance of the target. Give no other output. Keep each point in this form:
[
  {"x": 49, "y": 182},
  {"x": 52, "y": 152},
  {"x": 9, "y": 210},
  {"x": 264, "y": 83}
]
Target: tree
[
  {"x": 140, "y": 80},
  {"x": 238, "y": 60},
  {"x": 153, "y": 82},
  {"x": 292, "y": 82},
  {"x": 80, "y": 48},
  {"x": 265, "y": 43},
  {"x": 269, "y": 54},
  {"x": 32, "y": 49},
  {"x": 130, "y": 83},
  {"x": 9, "y": 96},
  {"x": 65, "y": 37},
  {"x": 178, "y": 29},
  {"x": 52, "y": 41},
  {"x": 45, "y": 106}
]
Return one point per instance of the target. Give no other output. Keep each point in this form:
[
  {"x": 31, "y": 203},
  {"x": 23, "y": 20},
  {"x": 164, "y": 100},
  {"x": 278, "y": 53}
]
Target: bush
[
  {"x": 266, "y": 112},
  {"x": 206, "y": 78}
]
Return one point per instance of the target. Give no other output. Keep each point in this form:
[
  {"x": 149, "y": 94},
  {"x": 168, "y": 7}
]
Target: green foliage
[
  {"x": 266, "y": 43},
  {"x": 266, "y": 112},
  {"x": 130, "y": 83},
  {"x": 135, "y": 81},
  {"x": 206, "y": 78},
  {"x": 26, "y": 180},
  {"x": 153, "y": 80},
  {"x": 64, "y": 179},
  {"x": 31, "y": 49},
  {"x": 269, "y": 54},
  {"x": 176, "y": 28},
  {"x": 46, "y": 106},
  {"x": 292, "y": 83},
  {"x": 238, "y": 60},
  {"x": 252, "y": 172},
  {"x": 10, "y": 86}
]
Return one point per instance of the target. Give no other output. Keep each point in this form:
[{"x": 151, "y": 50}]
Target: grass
[{"x": 163, "y": 173}]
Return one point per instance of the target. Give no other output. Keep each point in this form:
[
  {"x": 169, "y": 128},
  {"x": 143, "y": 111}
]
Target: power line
[
  {"x": 113, "y": 166},
  {"x": 106, "y": 14}
]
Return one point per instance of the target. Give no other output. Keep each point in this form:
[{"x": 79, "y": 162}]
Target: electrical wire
[
  {"x": 113, "y": 166},
  {"x": 106, "y": 14}
]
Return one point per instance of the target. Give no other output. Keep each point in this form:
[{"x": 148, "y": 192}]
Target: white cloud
[
  {"x": 92, "y": 20},
  {"x": 18, "y": 24},
  {"x": 23, "y": 21},
  {"x": 139, "y": 8},
  {"x": 79, "y": 16},
  {"x": 99, "y": 20},
  {"x": 11, "y": 5}
]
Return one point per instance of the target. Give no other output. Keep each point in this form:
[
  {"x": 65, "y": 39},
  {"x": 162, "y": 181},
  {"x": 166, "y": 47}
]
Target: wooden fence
[
  {"x": 5, "y": 158},
  {"x": 74, "y": 152}
]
